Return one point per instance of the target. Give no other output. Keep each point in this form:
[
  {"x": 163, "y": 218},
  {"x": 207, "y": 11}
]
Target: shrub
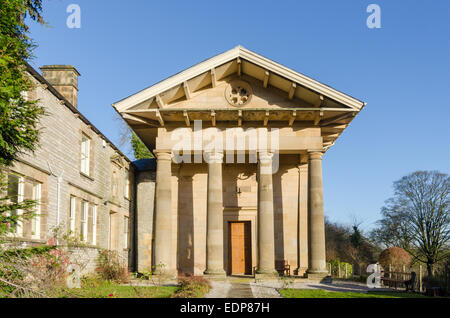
[
  {"x": 192, "y": 287},
  {"x": 109, "y": 267},
  {"x": 395, "y": 256},
  {"x": 336, "y": 264},
  {"x": 31, "y": 272}
]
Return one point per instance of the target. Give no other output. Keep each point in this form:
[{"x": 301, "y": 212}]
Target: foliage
[
  {"x": 140, "y": 149},
  {"x": 417, "y": 217},
  {"x": 32, "y": 272},
  {"x": 396, "y": 257},
  {"x": 339, "y": 245},
  {"x": 336, "y": 264},
  {"x": 67, "y": 238},
  {"x": 10, "y": 203},
  {"x": 18, "y": 116},
  {"x": 356, "y": 238},
  {"x": 111, "y": 268},
  {"x": 192, "y": 287}
]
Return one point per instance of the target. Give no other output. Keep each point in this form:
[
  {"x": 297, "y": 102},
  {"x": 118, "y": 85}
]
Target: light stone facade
[
  {"x": 208, "y": 203},
  {"x": 212, "y": 215},
  {"x": 59, "y": 157}
]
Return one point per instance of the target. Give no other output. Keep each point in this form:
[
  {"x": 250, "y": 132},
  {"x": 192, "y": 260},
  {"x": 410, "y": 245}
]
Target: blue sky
[{"x": 402, "y": 71}]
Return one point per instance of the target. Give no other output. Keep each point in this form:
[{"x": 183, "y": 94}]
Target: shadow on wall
[
  {"x": 185, "y": 242},
  {"x": 278, "y": 214}
]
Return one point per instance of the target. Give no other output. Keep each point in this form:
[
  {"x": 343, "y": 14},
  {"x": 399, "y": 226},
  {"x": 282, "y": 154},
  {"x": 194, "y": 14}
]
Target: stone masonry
[{"x": 59, "y": 156}]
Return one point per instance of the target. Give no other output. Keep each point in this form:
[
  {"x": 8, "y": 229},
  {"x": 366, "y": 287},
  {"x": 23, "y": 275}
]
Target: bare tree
[{"x": 417, "y": 217}]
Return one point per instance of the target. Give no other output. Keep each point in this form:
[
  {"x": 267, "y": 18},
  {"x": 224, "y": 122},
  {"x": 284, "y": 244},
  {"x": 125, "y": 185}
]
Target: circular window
[{"x": 238, "y": 93}]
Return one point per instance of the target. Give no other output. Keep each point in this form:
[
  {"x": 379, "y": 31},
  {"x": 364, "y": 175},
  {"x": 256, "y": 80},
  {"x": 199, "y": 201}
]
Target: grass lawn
[
  {"x": 319, "y": 293},
  {"x": 112, "y": 290}
]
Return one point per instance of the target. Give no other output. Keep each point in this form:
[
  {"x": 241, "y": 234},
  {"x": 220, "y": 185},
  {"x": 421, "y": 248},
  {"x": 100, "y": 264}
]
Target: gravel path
[
  {"x": 218, "y": 290},
  {"x": 240, "y": 290},
  {"x": 269, "y": 289},
  {"x": 261, "y": 291}
]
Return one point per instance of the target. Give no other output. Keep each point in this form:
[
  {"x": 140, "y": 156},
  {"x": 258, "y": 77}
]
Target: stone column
[
  {"x": 163, "y": 215},
  {"x": 317, "y": 261},
  {"x": 302, "y": 230},
  {"x": 266, "y": 237},
  {"x": 214, "y": 218},
  {"x": 145, "y": 203}
]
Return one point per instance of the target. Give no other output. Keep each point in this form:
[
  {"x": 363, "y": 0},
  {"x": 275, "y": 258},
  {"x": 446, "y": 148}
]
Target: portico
[{"x": 238, "y": 141}]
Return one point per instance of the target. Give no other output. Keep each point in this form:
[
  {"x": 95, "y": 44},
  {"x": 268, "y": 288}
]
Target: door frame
[
  {"x": 235, "y": 214},
  {"x": 247, "y": 247}
]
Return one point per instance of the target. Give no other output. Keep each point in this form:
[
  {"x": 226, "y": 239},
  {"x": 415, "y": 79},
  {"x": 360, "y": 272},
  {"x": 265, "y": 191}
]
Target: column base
[
  {"x": 266, "y": 274},
  {"x": 317, "y": 271},
  {"x": 320, "y": 276},
  {"x": 215, "y": 274},
  {"x": 301, "y": 271},
  {"x": 166, "y": 274}
]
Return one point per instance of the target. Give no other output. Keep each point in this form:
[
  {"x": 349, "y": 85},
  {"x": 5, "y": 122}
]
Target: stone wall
[
  {"x": 59, "y": 154},
  {"x": 240, "y": 191}
]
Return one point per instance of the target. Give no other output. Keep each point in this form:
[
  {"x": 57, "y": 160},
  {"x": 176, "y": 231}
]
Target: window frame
[
  {"x": 127, "y": 185},
  {"x": 84, "y": 221},
  {"x": 72, "y": 214},
  {"x": 94, "y": 225},
  {"x": 36, "y": 220},
  {"x": 20, "y": 198},
  {"x": 126, "y": 224},
  {"x": 85, "y": 154},
  {"x": 115, "y": 186}
]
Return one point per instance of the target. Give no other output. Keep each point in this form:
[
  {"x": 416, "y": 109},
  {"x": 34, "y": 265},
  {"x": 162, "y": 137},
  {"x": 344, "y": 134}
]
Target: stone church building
[{"x": 237, "y": 185}]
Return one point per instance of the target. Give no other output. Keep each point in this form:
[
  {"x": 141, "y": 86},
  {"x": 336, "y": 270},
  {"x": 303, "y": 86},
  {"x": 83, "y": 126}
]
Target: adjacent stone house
[{"x": 84, "y": 184}]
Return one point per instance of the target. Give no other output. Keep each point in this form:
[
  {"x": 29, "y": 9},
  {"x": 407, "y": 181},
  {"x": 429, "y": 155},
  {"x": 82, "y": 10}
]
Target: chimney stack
[{"x": 64, "y": 78}]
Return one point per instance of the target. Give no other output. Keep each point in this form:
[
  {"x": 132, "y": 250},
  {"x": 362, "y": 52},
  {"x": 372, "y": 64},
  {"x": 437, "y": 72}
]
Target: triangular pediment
[
  {"x": 237, "y": 87},
  {"x": 242, "y": 63}
]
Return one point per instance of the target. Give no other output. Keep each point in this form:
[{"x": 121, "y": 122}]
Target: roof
[
  {"x": 145, "y": 164},
  {"x": 193, "y": 94},
  {"x": 239, "y": 52},
  {"x": 58, "y": 95}
]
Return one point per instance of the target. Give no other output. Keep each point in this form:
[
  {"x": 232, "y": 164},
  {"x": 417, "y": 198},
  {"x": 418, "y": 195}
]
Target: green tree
[
  {"x": 19, "y": 116},
  {"x": 417, "y": 218},
  {"x": 140, "y": 149},
  {"x": 356, "y": 238}
]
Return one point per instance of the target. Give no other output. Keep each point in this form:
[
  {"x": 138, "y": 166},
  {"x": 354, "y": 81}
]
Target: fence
[
  {"x": 395, "y": 277},
  {"x": 339, "y": 269}
]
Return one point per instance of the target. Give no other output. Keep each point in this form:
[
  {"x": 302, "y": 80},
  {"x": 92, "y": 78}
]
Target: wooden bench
[
  {"x": 283, "y": 267},
  {"x": 398, "y": 280}
]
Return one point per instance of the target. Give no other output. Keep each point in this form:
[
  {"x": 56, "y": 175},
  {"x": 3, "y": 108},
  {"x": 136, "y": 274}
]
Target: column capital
[
  {"x": 163, "y": 155},
  {"x": 265, "y": 157},
  {"x": 303, "y": 159},
  {"x": 265, "y": 162},
  {"x": 213, "y": 156},
  {"x": 315, "y": 154}
]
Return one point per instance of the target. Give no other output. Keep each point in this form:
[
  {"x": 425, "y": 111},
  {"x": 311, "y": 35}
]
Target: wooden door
[{"x": 240, "y": 248}]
